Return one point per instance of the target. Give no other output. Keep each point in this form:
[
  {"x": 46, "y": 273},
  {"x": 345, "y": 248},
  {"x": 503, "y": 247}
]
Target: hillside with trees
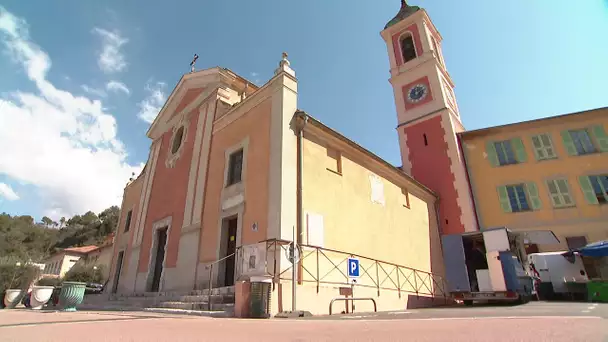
[{"x": 23, "y": 238}]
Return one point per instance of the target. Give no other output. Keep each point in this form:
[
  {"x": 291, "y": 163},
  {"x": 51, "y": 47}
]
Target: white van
[{"x": 557, "y": 270}]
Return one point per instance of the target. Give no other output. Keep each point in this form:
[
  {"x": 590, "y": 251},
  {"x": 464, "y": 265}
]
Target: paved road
[
  {"x": 532, "y": 322},
  {"x": 532, "y": 309}
]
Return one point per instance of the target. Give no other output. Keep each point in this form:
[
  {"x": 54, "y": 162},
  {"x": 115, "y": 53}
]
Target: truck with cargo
[{"x": 491, "y": 264}]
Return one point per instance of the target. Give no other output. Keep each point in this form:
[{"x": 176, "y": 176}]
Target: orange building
[{"x": 550, "y": 173}]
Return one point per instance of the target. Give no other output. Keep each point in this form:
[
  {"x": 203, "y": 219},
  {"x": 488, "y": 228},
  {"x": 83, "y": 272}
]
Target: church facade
[{"x": 236, "y": 172}]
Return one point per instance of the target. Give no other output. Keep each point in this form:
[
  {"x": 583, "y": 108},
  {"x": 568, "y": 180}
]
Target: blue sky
[{"x": 76, "y": 78}]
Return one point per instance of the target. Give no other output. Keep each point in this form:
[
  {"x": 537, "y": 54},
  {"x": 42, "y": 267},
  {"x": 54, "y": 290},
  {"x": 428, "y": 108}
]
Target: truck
[{"x": 491, "y": 265}]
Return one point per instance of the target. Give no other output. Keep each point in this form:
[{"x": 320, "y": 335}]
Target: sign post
[{"x": 294, "y": 257}]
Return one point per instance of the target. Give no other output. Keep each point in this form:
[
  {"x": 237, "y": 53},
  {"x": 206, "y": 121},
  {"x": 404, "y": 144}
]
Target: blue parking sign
[{"x": 353, "y": 267}]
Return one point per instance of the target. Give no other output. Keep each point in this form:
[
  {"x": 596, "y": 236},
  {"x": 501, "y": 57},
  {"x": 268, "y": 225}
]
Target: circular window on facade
[{"x": 177, "y": 140}]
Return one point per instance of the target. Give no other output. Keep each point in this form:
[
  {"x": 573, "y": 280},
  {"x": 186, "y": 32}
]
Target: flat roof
[{"x": 548, "y": 118}]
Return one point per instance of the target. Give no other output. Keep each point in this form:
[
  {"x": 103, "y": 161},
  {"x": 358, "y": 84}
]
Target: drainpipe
[
  {"x": 300, "y": 209},
  {"x": 300, "y": 178}
]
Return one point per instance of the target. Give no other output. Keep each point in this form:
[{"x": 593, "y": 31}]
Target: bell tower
[{"x": 428, "y": 116}]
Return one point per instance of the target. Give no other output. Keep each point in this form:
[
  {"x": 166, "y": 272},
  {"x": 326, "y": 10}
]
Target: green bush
[
  {"x": 85, "y": 273},
  {"x": 16, "y": 274}
]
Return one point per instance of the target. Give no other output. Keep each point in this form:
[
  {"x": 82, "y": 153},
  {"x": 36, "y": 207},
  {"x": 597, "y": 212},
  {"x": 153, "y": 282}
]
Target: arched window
[
  {"x": 177, "y": 140},
  {"x": 408, "y": 50}
]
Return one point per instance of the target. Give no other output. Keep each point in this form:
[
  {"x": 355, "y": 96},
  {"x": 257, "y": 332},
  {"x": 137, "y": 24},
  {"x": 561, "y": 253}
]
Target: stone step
[
  {"x": 228, "y": 290},
  {"x": 189, "y": 298},
  {"x": 205, "y": 298},
  {"x": 217, "y": 314},
  {"x": 228, "y": 307}
]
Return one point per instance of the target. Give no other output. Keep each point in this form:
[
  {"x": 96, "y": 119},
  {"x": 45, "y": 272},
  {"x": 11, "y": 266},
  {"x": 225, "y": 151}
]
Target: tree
[
  {"x": 22, "y": 238},
  {"x": 47, "y": 221}
]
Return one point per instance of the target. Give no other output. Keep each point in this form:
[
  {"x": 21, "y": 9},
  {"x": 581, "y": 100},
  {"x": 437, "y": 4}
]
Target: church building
[{"x": 237, "y": 172}]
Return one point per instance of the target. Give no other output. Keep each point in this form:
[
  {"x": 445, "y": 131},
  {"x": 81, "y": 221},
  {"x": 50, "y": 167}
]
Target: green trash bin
[
  {"x": 259, "y": 305},
  {"x": 597, "y": 291}
]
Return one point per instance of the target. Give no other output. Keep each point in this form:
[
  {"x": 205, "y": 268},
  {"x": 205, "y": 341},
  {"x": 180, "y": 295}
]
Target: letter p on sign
[{"x": 353, "y": 267}]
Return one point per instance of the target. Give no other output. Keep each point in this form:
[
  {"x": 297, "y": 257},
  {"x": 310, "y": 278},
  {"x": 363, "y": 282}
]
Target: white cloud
[
  {"x": 153, "y": 103},
  {"x": 93, "y": 91},
  {"x": 117, "y": 86},
  {"x": 111, "y": 59},
  {"x": 7, "y": 192},
  {"x": 63, "y": 144}
]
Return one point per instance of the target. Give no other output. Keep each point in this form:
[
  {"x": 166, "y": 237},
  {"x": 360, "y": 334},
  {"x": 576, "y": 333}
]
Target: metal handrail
[
  {"x": 210, "y": 267},
  {"x": 353, "y": 299},
  {"x": 408, "y": 279},
  {"x": 210, "y": 264}
]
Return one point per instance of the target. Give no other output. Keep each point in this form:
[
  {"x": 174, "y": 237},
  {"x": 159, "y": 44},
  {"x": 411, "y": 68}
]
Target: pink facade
[
  {"x": 168, "y": 194},
  {"x": 431, "y": 166},
  {"x": 428, "y": 117},
  {"x": 184, "y": 192}
]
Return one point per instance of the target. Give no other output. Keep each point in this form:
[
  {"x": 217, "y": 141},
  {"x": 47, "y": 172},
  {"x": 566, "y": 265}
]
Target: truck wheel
[{"x": 468, "y": 303}]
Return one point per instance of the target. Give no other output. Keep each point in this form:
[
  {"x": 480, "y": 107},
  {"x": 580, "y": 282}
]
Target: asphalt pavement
[
  {"x": 538, "y": 321},
  {"x": 532, "y": 309}
]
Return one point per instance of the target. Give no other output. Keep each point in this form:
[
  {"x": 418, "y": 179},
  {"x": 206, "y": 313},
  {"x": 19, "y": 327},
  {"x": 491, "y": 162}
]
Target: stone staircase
[{"x": 218, "y": 303}]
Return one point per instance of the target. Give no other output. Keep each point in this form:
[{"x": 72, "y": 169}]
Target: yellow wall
[
  {"x": 352, "y": 223},
  {"x": 59, "y": 264},
  {"x": 583, "y": 219}
]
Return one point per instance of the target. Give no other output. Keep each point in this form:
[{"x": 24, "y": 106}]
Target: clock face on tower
[{"x": 417, "y": 93}]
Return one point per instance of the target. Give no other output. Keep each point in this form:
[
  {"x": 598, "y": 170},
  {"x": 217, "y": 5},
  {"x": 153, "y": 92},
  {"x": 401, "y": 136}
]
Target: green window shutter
[
  {"x": 600, "y": 137},
  {"x": 548, "y": 145},
  {"x": 568, "y": 143},
  {"x": 491, "y": 151},
  {"x": 537, "y": 146},
  {"x": 503, "y": 197},
  {"x": 554, "y": 193},
  {"x": 588, "y": 190},
  {"x": 535, "y": 202},
  {"x": 519, "y": 149},
  {"x": 564, "y": 191}
]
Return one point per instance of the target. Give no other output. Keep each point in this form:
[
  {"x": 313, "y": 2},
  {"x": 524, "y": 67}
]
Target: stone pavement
[{"x": 22, "y": 325}]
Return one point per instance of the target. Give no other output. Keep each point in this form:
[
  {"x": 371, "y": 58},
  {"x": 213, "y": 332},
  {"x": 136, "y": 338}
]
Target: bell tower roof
[{"x": 405, "y": 11}]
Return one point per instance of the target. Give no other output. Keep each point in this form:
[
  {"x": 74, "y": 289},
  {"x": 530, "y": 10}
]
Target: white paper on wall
[
  {"x": 377, "y": 189},
  {"x": 254, "y": 260},
  {"x": 315, "y": 230}
]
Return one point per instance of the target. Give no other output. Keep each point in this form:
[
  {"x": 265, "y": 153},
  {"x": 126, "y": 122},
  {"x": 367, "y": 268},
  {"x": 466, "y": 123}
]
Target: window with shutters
[
  {"x": 543, "y": 147},
  {"x": 586, "y": 140},
  {"x": 519, "y": 197},
  {"x": 559, "y": 191},
  {"x": 582, "y": 141},
  {"x": 505, "y": 153},
  {"x": 595, "y": 188}
]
